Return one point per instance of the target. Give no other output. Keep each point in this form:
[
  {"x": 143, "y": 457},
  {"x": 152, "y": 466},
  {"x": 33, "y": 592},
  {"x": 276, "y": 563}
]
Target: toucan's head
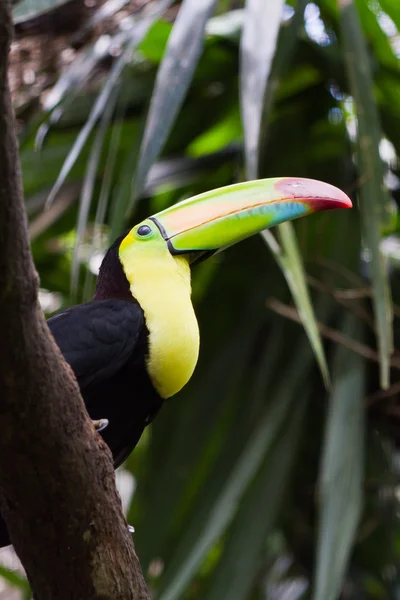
[{"x": 156, "y": 256}]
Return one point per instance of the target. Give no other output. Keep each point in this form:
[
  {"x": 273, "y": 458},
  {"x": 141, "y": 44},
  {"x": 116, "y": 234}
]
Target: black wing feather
[{"x": 98, "y": 338}]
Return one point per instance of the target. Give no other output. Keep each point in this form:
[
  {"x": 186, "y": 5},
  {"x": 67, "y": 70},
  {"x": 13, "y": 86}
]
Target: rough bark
[{"x": 57, "y": 489}]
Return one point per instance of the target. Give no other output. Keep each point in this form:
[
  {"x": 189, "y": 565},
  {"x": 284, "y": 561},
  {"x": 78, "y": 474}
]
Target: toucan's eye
[{"x": 144, "y": 230}]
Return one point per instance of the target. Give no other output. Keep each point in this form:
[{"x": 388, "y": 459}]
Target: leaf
[
  {"x": 183, "y": 170},
  {"x": 379, "y": 41},
  {"x": 75, "y": 75},
  {"x": 97, "y": 241},
  {"x": 373, "y": 196},
  {"x": 30, "y": 9},
  {"x": 240, "y": 562},
  {"x": 45, "y": 220},
  {"x": 88, "y": 188},
  {"x": 227, "y": 25},
  {"x": 392, "y": 8},
  {"x": 138, "y": 31},
  {"x": 14, "y": 578},
  {"x": 289, "y": 259},
  {"x": 258, "y": 45},
  {"x": 239, "y": 479},
  {"x": 341, "y": 477},
  {"x": 173, "y": 79},
  {"x": 111, "y": 161},
  {"x": 122, "y": 190},
  {"x": 103, "y": 12},
  {"x": 73, "y": 78},
  {"x": 288, "y": 40},
  {"x": 292, "y": 265}
]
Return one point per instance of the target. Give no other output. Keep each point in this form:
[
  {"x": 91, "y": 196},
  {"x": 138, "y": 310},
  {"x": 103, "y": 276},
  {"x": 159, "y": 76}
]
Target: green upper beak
[{"x": 222, "y": 217}]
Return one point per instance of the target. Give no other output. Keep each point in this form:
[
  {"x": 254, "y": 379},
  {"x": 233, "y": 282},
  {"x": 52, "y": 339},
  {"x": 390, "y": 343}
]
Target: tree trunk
[{"x": 57, "y": 488}]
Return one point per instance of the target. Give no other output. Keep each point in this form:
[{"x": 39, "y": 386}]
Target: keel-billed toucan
[{"x": 137, "y": 342}]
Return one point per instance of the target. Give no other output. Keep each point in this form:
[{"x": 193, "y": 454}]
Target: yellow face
[
  {"x": 142, "y": 238},
  {"x": 160, "y": 283}
]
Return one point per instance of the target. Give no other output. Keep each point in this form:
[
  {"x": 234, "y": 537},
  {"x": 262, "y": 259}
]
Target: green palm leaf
[
  {"x": 373, "y": 195},
  {"x": 173, "y": 79},
  {"x": 342, "y": 469}
]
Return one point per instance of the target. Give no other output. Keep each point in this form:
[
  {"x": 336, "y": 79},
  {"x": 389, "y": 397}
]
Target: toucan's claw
[
  {"x": 131, "y": 529},
  {"x": 100, "y": 424}
]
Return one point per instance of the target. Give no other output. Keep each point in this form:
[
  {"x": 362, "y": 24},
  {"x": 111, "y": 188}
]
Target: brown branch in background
[
  {"x": 57, "y": 487},
  {"x": 383, "y": 394},
  {"x": 360, "y": 290},
  {"x": 353, "y": 294},
  {"x": 353, "y": 278},
  {"x": 345, "y": 298},
  {"x": 332, "y": 334}
]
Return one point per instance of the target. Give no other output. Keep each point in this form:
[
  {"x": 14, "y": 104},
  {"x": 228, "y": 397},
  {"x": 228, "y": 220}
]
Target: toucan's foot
[
  {"x": 100, "y": 424},
  {"x": 131, "y": 529}
]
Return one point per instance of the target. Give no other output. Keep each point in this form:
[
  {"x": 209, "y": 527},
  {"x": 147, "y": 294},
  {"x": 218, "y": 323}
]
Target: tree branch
[{"x": 58, "y": 494}]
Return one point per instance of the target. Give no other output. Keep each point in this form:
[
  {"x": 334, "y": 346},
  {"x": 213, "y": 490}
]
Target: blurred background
[{"x": 274, "y": 475}]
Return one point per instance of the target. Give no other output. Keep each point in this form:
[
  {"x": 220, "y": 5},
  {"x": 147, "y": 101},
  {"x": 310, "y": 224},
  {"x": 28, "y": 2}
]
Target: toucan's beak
[{"x": 222, "y": 217}]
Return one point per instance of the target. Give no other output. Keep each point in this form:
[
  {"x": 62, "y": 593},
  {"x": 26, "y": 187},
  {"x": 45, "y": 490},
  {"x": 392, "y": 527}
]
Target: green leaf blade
[
  {"x": 15, "y": 579},
  {"x": 289, "y": 259},
  {"x": 342, "y": 468},
  {"x": 87, "y": 191},
  {"x": 239, "y": 565},
  {"x": 258, "y": 45},
  {"x": 175, "y": 73},
  {"x": 373, "y": 195}
]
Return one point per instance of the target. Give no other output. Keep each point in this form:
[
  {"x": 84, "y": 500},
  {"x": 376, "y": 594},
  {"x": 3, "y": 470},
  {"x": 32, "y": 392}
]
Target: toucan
[{"x": 136, "y": 343}]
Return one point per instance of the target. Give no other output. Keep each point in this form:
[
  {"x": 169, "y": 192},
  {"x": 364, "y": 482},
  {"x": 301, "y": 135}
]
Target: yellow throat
[{"x": 160, "y": 283}]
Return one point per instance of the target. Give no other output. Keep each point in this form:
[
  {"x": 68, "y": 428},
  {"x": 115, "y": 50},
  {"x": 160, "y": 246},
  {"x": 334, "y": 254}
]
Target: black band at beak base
[{"x": 198, "y": 255}]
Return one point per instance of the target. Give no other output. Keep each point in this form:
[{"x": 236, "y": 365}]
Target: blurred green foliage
[{"x": 255, "y": 482}]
